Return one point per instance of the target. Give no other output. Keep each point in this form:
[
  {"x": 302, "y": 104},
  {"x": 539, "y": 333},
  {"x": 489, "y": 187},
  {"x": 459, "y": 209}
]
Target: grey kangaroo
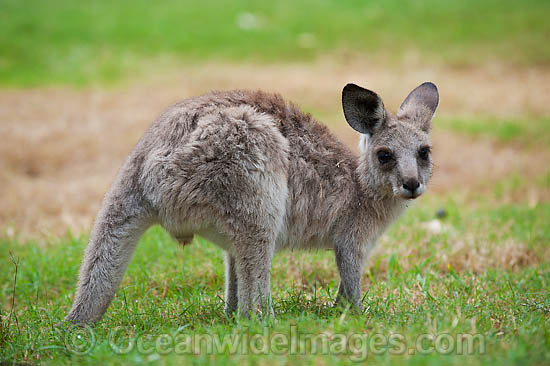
[{"x": 253, "y": 174}]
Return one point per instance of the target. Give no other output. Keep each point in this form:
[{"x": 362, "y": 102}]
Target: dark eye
[
  {"x": 424, "y": 153},
  {"x": 384, "y": 156}
]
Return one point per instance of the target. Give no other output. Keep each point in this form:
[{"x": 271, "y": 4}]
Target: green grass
[
  {"x": 65, "y": 42},
  {"x": 533, "y": 132},
  {"x": 414, "y": 287}
]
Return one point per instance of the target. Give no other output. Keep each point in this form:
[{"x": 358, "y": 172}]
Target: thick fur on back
[
  {"x": 254, "y": 174},
  {"x": 205, "y": 157}
]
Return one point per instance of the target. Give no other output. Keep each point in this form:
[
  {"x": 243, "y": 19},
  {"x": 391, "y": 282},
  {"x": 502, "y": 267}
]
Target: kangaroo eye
[
  {"x": 424, "y": 153},
  {"x": 384, "y": 156}
]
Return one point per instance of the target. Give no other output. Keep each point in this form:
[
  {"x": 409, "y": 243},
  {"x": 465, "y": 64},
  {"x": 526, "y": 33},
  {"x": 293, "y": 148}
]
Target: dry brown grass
[
  {"x": 473, "y": 251},
  {"x": 61, "y": 147}
]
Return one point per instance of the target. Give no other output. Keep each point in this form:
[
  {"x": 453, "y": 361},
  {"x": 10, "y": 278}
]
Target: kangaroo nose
[{"x": 411, "y": 185}]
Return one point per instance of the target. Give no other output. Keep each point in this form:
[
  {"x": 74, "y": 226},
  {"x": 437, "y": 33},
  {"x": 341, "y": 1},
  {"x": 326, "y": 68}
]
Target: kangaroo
[{"x": 253, "y": 174}]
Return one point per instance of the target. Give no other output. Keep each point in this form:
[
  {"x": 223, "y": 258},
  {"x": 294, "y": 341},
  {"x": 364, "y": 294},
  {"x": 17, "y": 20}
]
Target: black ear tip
[
  {"x": 351, "y": 87},
  {"x": 353, "y": 90},
  {"x": 429, "y": 84}
]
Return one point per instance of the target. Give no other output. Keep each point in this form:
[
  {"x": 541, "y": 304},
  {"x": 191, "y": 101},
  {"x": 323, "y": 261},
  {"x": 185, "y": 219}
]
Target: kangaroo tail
[{"x": 122, "y": 219}]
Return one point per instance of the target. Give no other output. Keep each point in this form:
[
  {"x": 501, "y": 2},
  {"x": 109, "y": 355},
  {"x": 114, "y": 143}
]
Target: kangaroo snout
[{"x": 411, "y": 188}]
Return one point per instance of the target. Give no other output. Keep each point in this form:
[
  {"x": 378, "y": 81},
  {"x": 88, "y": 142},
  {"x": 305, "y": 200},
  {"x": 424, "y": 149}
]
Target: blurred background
[{"x": 81, "y": 81}]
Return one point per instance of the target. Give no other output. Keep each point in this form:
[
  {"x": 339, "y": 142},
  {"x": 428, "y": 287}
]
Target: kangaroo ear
[
  {"x": 363, "y": 109},
  {"x": 420, "y": 105}
]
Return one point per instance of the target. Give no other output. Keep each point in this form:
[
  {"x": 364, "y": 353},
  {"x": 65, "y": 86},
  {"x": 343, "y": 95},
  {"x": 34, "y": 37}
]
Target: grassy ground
[
  {"x": 484, "y": 273},
  {"x": 529, "y": 132},
  {"x": 60, "y": 41},
  {"x": 481, "y": 272}
]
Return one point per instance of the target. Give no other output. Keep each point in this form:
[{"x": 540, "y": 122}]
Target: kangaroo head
[{"x": 395, "y": 149}]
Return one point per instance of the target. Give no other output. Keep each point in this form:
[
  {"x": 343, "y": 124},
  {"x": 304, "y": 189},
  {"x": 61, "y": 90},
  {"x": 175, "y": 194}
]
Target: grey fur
[{"x": 253, "y": 174}]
